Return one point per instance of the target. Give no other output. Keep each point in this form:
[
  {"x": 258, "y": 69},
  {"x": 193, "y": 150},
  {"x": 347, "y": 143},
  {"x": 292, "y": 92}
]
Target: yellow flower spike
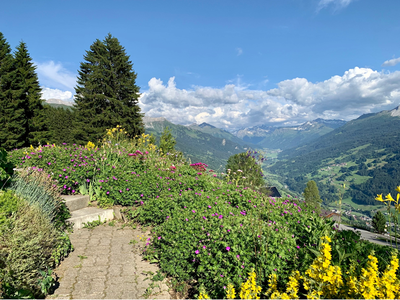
[
  {"x": 398, "y": 189},
  {"x": 379, "y": 198},
  {"x": 389, "y": 197},
  {"x": 230, "y": 292}
]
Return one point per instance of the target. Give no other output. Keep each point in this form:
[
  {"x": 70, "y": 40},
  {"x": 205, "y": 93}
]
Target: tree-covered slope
[
  {"x": 196, "y": 145},
  {"x": 219, "y": 133},
  {"x": 364, "y": 153}
]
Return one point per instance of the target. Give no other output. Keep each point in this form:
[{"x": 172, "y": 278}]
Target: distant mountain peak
[
  {"x": 395, "y": 112},
  {"x": 59, "y": 101},
  {"x": 204, "y": 124}
]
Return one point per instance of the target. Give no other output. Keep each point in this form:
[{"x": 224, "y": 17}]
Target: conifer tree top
[{"x": 106, "y": 92}]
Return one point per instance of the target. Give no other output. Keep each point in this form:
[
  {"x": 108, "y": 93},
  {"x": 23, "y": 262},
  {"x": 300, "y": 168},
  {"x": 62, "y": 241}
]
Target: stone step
[
  {"x": 76, "y": 202},
  {"x": 89, "y": 214}
]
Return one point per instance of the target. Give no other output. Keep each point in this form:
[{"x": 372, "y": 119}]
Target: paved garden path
[{"x": 105, "y": 264}]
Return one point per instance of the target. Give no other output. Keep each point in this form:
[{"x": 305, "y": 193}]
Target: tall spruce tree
[
  {"x": 13, "y": 122},
  {"x": 29, "y": 92},
  {"x": 311, "y": 195},
  {"x": 106, "y": 94}
]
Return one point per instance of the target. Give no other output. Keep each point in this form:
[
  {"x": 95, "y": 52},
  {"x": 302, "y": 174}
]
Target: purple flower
[
  {"x": 187, "y": 219},
  {"x": 238, "y": 256},
  {"x": 197, "y": 251},
  {"x": 108, "y": 193},
  {"x": 159, "y": 237},
  {"x": 193, "y": 211},
  {"x": 87, "y": 180},
  {"x": 228, "y": 248}
]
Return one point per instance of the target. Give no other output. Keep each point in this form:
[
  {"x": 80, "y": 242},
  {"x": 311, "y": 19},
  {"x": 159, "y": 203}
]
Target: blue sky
[{"x": 232, "y": 64}]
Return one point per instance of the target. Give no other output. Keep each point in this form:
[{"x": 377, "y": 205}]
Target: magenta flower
[
  {"x": 228, "y": 248},
  {"x": 197, "y": 251},
  {"x": 238, "y": 256},
  {"x": 193, "y": 211},
  {"x": 108, "y": 193},
  {"x": 204, "y": 247}
]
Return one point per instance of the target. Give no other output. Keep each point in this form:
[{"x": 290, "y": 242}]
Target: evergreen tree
[
  {"x": 59, "y": 124},
  {"x": 311, "y": 195},
  {"x": 379, "y": 222},
  {"x": 106, "y": 94},
  {"x": 13, "y": 122},
  {"x": 167, "y": 141},
  {"x": 30, "y": 92}
]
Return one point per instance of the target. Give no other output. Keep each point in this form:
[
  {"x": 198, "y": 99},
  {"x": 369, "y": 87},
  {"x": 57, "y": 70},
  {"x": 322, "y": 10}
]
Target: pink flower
[
  {"x": 204, "y": 247},
  {"x": 238, "y": 256},
  {"x": 197, "y": 251},
  {"x": 228, "y": 248},
  {"x": 159, "y": 237}
]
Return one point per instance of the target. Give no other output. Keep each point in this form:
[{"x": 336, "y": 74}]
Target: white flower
[{"x": 239, "y": 170}]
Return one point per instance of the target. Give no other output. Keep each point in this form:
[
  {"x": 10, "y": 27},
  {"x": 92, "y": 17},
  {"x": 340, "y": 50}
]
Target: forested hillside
[
  {"x": 196, "y": 145},
  {"x": 364, "y": 153}
]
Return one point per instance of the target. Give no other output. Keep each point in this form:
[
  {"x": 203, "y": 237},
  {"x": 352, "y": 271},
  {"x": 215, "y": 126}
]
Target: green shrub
[
  {"x": 245, "y": 169},
  {"x": 9, "y": 204},
  {"x": 26, "y": 249}
]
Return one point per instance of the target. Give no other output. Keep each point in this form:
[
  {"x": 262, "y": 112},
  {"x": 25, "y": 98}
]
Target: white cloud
[
  {"x": 357, "y": 91},
  {"x": 337, "y": 3},
  {"x": 54, "y": 75},
  {"x": 391, "y": 62},
  {"x": 239, "y": 51},
  {"x": 48, "y": 93}
]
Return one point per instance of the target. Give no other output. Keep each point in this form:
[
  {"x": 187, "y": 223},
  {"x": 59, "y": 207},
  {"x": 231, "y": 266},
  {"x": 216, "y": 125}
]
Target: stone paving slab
[{"x": 104, "y": 265}]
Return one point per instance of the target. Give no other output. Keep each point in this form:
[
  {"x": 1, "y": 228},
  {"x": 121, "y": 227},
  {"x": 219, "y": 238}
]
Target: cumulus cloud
[
  {"x": 239, "y": 51},
  {"x": 337, "y": 3},
  {"x": 357, "y": 91},
  {"x": 391, "y": 62},
  {"x": 48, "y": 93},
  {"x": 54, "y": 75}
]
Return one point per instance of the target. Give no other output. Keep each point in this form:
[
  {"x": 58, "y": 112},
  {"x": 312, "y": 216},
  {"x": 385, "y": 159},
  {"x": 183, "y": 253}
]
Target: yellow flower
[
  {"x": 230, "y": 292},
  {"x": 379, "y": 198},
  {"x": 389, "y": 197},
  {"x": 203, "y": 296}
]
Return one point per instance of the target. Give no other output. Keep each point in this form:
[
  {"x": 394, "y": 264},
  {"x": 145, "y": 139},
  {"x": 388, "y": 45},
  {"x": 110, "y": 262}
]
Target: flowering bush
[{"x": 324, "y": 280}]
